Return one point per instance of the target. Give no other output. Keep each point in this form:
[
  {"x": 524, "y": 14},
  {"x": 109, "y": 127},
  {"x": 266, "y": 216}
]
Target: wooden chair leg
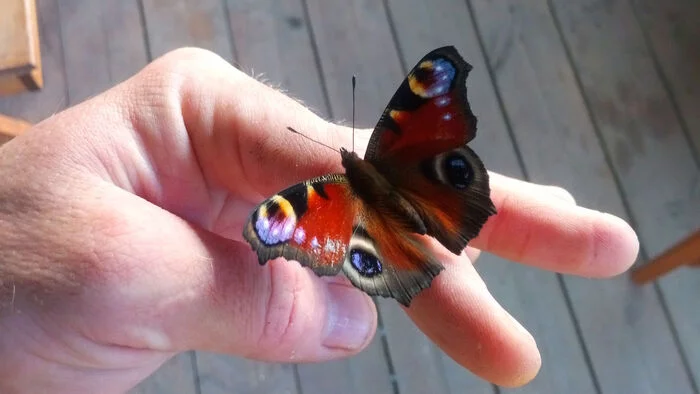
[
  {"x": 687, "y": 252},
  {"x": 20, "y": 52},
  {"x": 12, "y": 127}
]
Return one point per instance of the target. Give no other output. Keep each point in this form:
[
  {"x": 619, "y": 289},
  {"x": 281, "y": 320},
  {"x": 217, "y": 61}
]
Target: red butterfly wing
[
  {"x": 310, "y": 222},
  {"x": 419, "y": 146},
  {"x": 429, "y": 110}
]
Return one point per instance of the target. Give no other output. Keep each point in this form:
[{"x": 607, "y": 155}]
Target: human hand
[{"x": 121, "y": 220}]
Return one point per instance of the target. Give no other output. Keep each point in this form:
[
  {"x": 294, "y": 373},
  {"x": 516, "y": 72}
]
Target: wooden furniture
[
  {"x": 20, "y": 59},
  {"x": 686, "y": 252},
  {"x": 12, "y": 127}
]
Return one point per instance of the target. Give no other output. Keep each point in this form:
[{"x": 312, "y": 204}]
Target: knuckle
[
  {"x": 188, "y": 59},
  {"x": 183, "y": 67}
]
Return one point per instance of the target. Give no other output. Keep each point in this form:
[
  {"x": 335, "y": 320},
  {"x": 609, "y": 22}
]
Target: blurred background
[{"x": 600, "y": 97}]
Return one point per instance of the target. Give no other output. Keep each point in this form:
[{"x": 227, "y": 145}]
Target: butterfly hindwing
[
  {"x": 451, "y": 193},
  {"x": 310, "y": 222},
  {"x": 384, "y": 262}
]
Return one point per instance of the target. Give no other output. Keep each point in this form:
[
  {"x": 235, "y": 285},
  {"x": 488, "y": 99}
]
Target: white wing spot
[
  {"x": 442, "y": 101},
  {"x": 330, "y": 246},
  {"x": 299, "y": 235}
]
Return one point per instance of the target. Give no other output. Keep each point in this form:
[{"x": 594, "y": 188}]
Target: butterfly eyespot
[
  {"x": 457, "y": 170},
  {"x": 432, "y": 78},
  {"x": 275, "y": 221},
  {"x": 367, "y": 264}
]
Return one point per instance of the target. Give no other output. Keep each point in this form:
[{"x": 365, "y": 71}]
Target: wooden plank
[
  {"x": 272, "y": 43},
  {"x": 616, "y": 319},
  {"x": 645, "y": 141},
  {"x": 35, "y": 106},
  {"x": 224, "y": 374},
  {"x": 173, "y": 377},
  {"x": 126, "y": 38},
  {"x": 104, "y": 44},
  {"x": 534, "y": 297},
  {"x": 176, "y": 23},
  {"x": 460, "y": 381},
  {"x": 672, "y": 28},
  {"x": 526, "y": 55},
  {"x": 366, "y": 372},
  {"x": 353, "y": 37},
  {"x": 416, "y": 360},
  {"x": 87, "y": 70}
]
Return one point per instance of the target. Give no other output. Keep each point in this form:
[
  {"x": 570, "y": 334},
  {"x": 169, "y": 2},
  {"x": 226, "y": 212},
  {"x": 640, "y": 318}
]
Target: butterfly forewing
[
  {"x": 429, "y": 110},
  {"x": 310, "y": 222}
]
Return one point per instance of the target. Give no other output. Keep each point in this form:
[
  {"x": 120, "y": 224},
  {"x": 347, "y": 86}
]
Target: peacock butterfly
[{"x": 418, "y": 178}]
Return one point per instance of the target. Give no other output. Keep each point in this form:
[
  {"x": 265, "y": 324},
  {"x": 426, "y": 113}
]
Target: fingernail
[{"x": 350, "y": 318}]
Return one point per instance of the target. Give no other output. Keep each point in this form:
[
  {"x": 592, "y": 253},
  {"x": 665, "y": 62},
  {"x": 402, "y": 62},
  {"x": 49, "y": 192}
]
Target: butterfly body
[
  {"x": 417, "y": 178},
  {"x": 377, "y": 193}
]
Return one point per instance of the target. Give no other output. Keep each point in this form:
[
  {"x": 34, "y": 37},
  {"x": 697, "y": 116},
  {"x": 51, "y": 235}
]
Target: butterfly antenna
[
  {"x": 353, "y": 113},
  {"x": 311, "y": 139}
]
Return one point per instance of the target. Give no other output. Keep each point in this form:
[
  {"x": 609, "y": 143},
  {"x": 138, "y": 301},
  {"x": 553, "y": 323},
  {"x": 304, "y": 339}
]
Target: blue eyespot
[
  {"x": 367, "y": 264},
  {"x": 457, "y": 171},
  {"x": 437, "y": 78}
]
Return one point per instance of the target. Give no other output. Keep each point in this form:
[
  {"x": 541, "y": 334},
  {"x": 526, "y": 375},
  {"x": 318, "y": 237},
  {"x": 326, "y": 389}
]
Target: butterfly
[{"x": 418, "y": 178}]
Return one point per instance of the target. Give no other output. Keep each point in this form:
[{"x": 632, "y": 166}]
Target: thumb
[{"x": 206, "y": 292}]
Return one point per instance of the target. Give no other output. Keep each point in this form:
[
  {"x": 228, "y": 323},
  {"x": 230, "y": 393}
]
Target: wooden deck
[{"x": 601, "y": 97}]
